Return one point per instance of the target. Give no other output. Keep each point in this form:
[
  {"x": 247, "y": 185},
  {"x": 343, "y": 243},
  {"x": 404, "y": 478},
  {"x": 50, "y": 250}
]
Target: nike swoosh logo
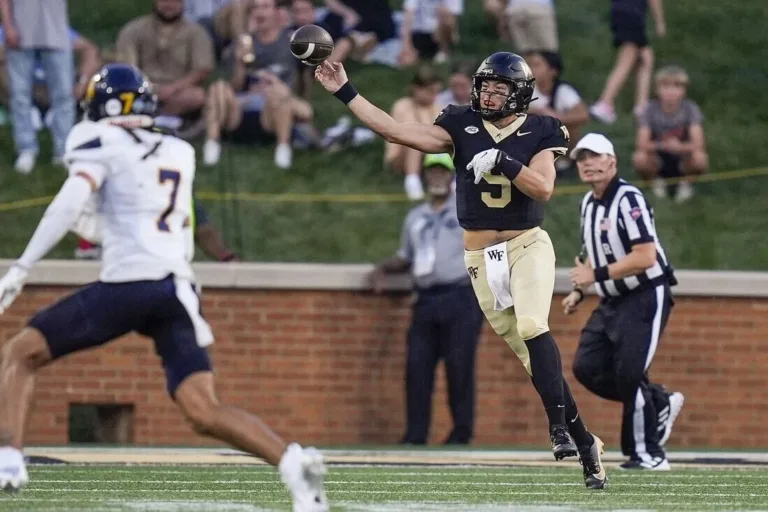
[
  {"x": 522, "y": 134},
  {"x": 527, "y": 246},
  {"x": 574, "y": 419}
]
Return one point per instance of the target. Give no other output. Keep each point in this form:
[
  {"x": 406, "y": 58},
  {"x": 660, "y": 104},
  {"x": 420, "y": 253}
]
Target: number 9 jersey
[
  {"x": 495, "y": 203},
  {"x": 143, "y": 182}
]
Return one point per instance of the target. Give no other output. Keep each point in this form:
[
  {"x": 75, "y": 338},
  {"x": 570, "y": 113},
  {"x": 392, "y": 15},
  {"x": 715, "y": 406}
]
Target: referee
[{"x": 632, "y": 276}]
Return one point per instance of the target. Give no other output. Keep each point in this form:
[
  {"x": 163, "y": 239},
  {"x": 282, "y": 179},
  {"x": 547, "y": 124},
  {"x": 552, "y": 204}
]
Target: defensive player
[
  {"x": 505, "y": 161},
  {"x": 143, "y": 183}
]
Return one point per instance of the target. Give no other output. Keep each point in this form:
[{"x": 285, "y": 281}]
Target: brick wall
[{"x": 327, "y": 368}]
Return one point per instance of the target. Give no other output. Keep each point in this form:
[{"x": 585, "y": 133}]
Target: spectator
[
  {"x": 38, "y": 31},
  {"x": 303, "y": 13},
  {"x": 257, "y": 104},
  {"x": 495, "y": 10},
  {"x": 670, "y": 137},
  {"x": 175, "y": 54},
  {"x": 88, "y": 55},
  {"x": 446, "y": 319},
  {"x": 205, "y": 13},
  {"x": 429, "y": 30},
  {"x": 557, "y": 98},
  {"x": 358, "y": 26},
  {"x": 459, "y": 91},
  {"x": 628, "y": 27},
  {"x": 532, "y": 25},
  {"x": 420, "y": 107}
]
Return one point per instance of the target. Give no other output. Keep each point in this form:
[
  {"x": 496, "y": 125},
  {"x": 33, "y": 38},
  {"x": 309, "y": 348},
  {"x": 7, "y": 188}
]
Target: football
[{"x": 311, "y": 44}]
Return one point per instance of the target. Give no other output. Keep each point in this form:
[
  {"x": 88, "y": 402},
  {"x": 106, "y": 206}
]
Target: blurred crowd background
[{"x": 287, "y": 175}]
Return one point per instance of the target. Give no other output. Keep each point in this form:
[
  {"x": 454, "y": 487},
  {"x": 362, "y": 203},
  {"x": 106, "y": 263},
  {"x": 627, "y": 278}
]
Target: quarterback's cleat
[
  {"x": 676, "y": 401},
  {"x": 655, "y": 464},
  {"x": 13, "y": 472},
  {"x": 562, "y": 442},
  {"x": 302, "y": 470},
  {"x": 594, "y": 471}
]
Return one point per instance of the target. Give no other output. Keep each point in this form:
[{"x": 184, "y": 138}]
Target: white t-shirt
[
  {"x": 425, "y": 12},
  {"x": 144, "y": 199},
  {"x": 565, "y": 99}
]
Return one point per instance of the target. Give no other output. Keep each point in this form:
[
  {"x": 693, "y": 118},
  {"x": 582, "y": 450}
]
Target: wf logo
[
  {"x": 495, "y": 255},
  {"x": 472, "y": 272}
]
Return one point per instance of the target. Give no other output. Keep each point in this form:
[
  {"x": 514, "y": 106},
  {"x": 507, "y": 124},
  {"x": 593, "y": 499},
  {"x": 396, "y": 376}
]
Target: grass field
[
  {"x": 720, "y": 228},
  {"x": 373, "y": 489}
]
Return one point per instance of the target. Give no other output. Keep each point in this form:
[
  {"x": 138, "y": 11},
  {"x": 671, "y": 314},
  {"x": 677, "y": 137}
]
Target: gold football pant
[{"x": 531, "y": 259}]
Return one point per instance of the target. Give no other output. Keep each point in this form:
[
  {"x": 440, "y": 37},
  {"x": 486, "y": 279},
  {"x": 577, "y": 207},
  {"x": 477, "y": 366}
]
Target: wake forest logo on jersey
[{"x": 471, "y": 130}]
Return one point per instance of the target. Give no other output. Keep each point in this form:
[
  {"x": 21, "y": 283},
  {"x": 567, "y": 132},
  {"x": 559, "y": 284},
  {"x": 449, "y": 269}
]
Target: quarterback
[
  {"x": 505, "y": 161},
  {"x": 141, "y": 181}
]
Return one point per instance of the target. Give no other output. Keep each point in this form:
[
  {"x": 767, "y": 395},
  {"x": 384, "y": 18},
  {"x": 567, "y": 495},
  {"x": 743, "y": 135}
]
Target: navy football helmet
[
  {"x": 509, "y": 68},
  {"x": 119, "y": 90}
]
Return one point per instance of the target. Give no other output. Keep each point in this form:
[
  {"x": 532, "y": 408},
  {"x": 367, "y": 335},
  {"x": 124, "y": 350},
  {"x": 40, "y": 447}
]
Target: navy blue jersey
[{"x": 495, "y": 203}]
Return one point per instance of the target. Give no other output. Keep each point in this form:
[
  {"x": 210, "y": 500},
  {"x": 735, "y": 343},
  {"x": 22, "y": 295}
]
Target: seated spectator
[
  {"x": 532, "y": 25},
  {"x": 86, "y": 52},
  {"x": 459, "y": 91},
  {"x": 303, "y": 13},
  {"x": 358, "y": 26},
  {"x": 670, "y": 137},
  {"x": 176, "y": 55},
  {"x": 429, "y": 30},
  {"x": 495, "y": 10},
  {"x": 419, "y": 107},
  {"x": 557, "y": 98},
  {"x": 257, "y": 104}
]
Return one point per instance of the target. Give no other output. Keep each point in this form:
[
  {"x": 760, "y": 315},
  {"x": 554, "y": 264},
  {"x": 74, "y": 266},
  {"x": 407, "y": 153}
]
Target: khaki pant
[
  {"x": 533, "y": 27},
  {"x": 531, "y": 259}
]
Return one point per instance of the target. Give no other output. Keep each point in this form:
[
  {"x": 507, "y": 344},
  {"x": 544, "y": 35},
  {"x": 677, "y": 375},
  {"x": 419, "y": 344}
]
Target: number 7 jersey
[
  {"x": 495, "y": 203},
  {"x": 144, "y": 198}
]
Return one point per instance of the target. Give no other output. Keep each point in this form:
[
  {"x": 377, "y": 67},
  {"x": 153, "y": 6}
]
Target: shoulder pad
[
  {"x": 451, "y": 111},
  {"x": 90, "y": 141}
]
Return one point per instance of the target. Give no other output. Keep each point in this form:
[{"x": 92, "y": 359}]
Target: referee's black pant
[
  {"x": 615, "y": 350},
  {"x": 446, "y": 325}
]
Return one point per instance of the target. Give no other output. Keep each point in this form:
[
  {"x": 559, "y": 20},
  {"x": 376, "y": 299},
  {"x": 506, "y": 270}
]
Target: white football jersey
[{"x": 144, "y": 199}]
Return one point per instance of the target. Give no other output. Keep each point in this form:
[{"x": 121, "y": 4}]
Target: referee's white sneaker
[
  {"x": 302, "y": 470},
  {"x": 676, "y": 401},
  {"x": 655, "y": 464},
  {"x": 13, "y": 471}
]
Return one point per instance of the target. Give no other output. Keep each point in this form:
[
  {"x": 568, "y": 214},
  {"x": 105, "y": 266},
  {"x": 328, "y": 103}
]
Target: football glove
[
  {"x": 484, "y": 162},
  {"x": 11, "y": 285}
]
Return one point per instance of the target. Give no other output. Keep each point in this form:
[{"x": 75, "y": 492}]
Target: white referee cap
[{"x": 594, "y": 142}]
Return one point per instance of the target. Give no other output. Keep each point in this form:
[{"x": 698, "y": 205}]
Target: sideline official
[
  {"x": 632, "y": 275},
  {"x": 446, "y": 318}
]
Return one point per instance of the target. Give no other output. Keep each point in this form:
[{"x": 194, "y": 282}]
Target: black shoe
[
  {"x": 594, "y": 471},
  {"x": 562, "y": 442},
  {"x": 655, "y": 464}
]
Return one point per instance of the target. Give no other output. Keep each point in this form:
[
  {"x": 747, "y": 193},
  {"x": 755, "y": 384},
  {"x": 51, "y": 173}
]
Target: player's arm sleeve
[
  {"x": 59, "y": 217},
  {"x": 555, "y": 138},
  {"x": 446, "y": 120},
  {"x": 637, "y": 220}
]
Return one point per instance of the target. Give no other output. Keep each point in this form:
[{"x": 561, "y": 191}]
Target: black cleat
[
  {"x": 562, "y": 442},
  {"x": 594, "y": 471}
]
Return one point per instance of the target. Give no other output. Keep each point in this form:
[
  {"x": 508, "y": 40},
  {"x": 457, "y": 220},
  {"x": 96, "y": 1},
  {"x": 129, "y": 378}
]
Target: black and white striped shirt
[{"x": 610, "y": 226}]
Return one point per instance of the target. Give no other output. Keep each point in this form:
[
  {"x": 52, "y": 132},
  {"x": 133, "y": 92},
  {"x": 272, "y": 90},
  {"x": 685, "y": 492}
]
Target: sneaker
[
  {"x": 13, "y": 472},
  {"x": 441, "y": 58},
  {"x": 659, "y": 187},
  {"x": 25, "y": 162},
  {"x": 603, "y": 112},
  {"x": 283, "y": 156},
  {"x": 562, "y": 442},
  {"x": 655, "y": 464},
  {"x": 594, "y": 471},
  {"x": 684, "y": 192},
  {"x": 676, "y": 401},
  {"x": 211, "y": 152},
  {"x": 414, "y": 189},
  {"x": 302, "y": 470}
]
